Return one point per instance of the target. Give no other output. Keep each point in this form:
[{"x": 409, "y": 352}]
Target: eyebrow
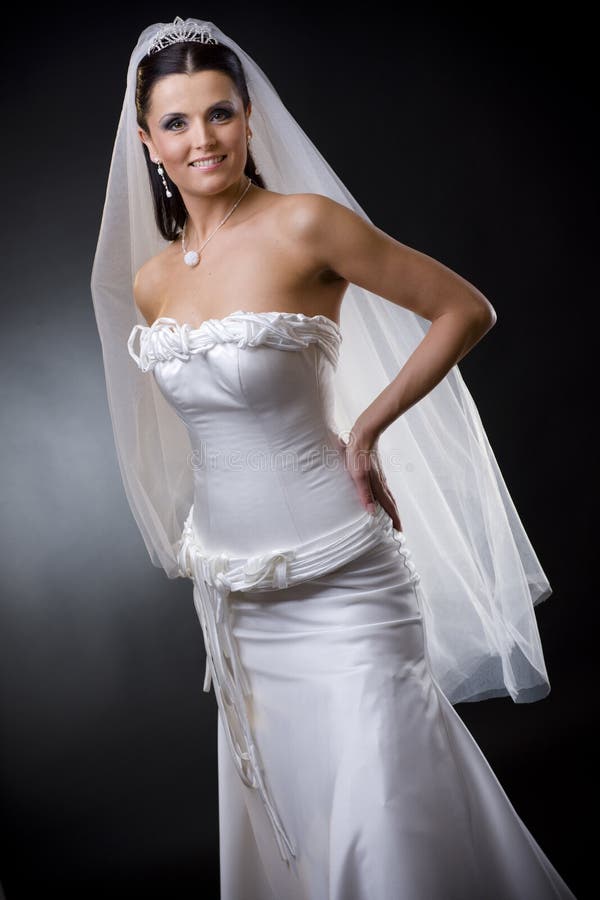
[{"x": 212, "y": 106}]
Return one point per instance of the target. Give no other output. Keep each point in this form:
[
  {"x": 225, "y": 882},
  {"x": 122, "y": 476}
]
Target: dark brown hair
[{"x": 184, "y": 57}]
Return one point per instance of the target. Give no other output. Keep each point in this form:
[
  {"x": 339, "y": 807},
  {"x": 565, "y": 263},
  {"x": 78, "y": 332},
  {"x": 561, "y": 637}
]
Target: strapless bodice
[{"x": 266, "y": 464}]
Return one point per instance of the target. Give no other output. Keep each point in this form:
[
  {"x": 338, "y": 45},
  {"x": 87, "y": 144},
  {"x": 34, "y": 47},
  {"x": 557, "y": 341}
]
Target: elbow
[
  {"x": 485, "y": 314},
  {"x": 490, "y": 318}
]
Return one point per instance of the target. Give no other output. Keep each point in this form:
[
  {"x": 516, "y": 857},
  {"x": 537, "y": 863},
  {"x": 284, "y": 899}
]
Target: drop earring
[
  {"x": 256, "y": 169},
  {"x": 161, "y": 172}
]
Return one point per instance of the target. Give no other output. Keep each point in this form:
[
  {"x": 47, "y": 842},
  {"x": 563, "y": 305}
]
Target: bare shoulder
[
  {"x": 303, "y": 213},
  {"x": 147, "y": 286},
  {"x": 328, "y": 231},
  {"x": 314, "y": 221}
]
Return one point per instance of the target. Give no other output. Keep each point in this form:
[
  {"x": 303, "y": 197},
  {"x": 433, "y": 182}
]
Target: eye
[{"x": 222, "y": 109}]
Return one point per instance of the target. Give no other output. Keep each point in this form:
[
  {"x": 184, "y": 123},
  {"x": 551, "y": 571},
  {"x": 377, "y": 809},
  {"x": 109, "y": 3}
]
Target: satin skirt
[{"x": 377, "y": 780}]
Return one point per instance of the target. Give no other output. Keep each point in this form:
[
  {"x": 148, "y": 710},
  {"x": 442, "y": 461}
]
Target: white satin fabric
[{"x": 344, "y": 771}]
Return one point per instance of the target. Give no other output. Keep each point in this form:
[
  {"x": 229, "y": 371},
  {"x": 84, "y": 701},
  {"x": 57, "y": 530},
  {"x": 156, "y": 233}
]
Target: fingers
[
  {"x": 386, "y": 500},
  {"x": 365, "y": 492},
  {"x": 368, "y": 475}
]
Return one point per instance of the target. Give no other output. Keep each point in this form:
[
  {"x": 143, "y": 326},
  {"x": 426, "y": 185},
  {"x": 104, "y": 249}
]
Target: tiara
[{"x": 178, "y": 30}]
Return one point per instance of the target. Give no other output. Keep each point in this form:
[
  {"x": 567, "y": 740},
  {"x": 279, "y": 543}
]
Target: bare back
[{"x": 255, "y": 262}]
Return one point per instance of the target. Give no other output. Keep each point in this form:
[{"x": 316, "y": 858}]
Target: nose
[{"x": 202, "y": 135}]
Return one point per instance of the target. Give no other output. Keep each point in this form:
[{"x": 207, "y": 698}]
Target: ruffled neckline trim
[{"x": 166, "y": 338}]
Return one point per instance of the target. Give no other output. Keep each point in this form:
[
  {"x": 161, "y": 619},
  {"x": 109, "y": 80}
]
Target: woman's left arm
[
  {"x": 460, "y": 316},
  {"x": 365, "y": 255}
]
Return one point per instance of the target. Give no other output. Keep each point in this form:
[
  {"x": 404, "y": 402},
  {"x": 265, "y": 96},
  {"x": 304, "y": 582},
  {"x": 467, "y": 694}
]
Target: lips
[{"x": 208, "y": 161}]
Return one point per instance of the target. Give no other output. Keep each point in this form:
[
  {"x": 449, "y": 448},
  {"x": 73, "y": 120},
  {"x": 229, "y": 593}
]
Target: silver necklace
[{"x": 192, "y": 257}]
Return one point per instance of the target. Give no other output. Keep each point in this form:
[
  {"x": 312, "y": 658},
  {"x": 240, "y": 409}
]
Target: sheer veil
[{"x": 480, "y": 576}]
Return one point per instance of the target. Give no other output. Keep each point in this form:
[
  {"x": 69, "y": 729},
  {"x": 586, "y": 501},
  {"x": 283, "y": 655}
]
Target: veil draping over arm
[{"x": 480, "y": 576}]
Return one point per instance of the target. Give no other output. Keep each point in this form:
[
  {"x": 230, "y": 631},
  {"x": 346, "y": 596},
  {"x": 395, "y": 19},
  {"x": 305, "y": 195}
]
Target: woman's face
[{"x": 196, "y": 116}]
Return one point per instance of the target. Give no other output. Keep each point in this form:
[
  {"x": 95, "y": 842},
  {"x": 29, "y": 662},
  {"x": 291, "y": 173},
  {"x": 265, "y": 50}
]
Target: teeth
[{"x": 208, "y": 162}]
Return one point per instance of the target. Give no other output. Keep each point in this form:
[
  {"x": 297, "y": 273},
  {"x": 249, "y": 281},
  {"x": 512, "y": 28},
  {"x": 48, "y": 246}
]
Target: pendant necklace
[{"x": 192, "y": 257}]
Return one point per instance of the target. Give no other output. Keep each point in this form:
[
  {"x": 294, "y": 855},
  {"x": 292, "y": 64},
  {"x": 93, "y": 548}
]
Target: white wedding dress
[{"x": 344, "y": 771}]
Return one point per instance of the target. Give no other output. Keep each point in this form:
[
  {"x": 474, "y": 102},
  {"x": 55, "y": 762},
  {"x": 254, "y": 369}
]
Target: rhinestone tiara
[{"x": 178, "y": 30}]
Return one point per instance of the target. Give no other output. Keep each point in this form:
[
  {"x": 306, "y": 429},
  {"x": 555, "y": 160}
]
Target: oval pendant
[{"x": 191, "y": 258}]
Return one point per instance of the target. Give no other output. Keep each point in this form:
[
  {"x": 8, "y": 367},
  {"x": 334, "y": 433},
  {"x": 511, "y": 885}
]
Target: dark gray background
[{"x": 464, "y": 137}]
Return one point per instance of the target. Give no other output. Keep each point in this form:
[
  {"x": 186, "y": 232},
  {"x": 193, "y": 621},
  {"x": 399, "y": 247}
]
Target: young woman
[{"x": 263, "y": 310}]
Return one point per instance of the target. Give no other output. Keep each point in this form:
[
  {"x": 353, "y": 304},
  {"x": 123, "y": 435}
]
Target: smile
[{"x": 208, "y": 163}]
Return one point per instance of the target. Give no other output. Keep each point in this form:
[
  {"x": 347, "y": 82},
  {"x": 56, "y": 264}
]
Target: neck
[{"x": 205, "y": 213}]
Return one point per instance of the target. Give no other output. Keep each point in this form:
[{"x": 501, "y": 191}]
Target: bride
[
  {"x": 353, "y": 584},
  {"x": 293, "y": 252}
]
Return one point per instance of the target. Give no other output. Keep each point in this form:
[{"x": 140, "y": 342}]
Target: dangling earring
[
  {"x": 256, "y": 169},
  {"x": 161, "y": 172}
]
